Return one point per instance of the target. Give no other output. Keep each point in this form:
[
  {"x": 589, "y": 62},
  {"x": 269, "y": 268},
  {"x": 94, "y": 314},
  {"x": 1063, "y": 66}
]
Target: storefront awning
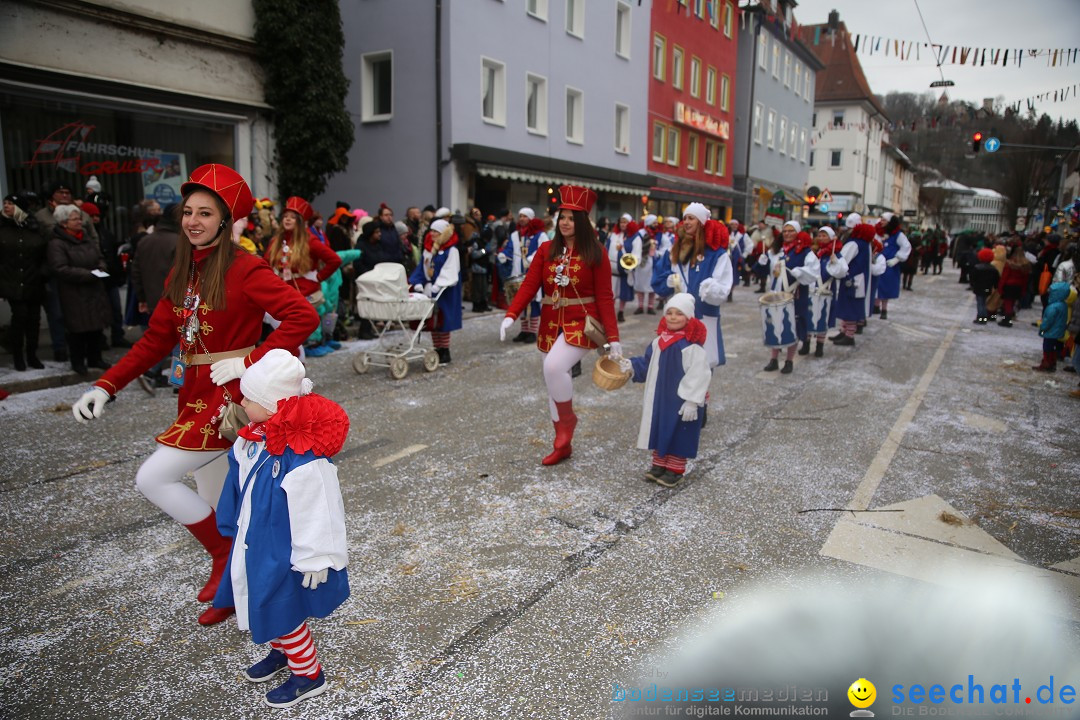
[
  {"x": 682, "y": 188},
  {"x": 532, "y": 176}
]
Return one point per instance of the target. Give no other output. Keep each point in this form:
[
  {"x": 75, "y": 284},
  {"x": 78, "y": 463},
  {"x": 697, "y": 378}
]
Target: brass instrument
[{"x": 628, "y": 262}]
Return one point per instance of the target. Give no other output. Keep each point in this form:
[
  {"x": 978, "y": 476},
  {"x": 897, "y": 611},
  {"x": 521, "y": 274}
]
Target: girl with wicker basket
[{"x": 675, "y": 370}]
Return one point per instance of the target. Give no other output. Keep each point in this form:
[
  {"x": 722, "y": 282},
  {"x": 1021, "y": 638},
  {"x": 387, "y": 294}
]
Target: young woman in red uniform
[
  {"x": 575, "y": 276},
  {"x": 212, "y": 310}
]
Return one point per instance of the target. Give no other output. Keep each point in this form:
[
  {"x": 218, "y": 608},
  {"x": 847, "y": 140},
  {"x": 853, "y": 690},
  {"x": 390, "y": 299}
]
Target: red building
[{"x": 692, "y": 104}]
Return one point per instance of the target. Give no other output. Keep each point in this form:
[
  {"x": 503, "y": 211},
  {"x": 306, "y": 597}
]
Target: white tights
[
  {"x": 160, "y": 480},
  {"x": 557, "y": 364}
]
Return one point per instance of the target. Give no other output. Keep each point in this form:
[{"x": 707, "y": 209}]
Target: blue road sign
[
  {"x": 991, "y": 144},
  {"x": 823, "y": 207}
]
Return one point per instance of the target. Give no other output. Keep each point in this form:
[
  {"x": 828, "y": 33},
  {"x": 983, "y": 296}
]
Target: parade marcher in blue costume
[
  {"x": 440, "y": 269},
  {"x": 698, "y": 264},
  {"x": 643, "y": 246},
  {"x": 823, "y": 291},
  {"x": 737, "y": 251},
  {"x": 281, "y": 503},
  {"x": 618, "y": 244},
  {"x": 514, "y": 259},
  {"x": 792, "y": 267},
  {"x": 896, "y": 248},
  {"x": 676, "y": 374},
  {"x": 851, "y": 267}
]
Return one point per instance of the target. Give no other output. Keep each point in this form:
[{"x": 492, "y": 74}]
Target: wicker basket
[{"x": 607, "y": 375}]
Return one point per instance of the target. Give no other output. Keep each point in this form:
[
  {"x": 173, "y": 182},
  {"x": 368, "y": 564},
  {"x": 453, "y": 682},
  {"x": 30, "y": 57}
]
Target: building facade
[
  {"x": 957, "y": 207},
  {"x": 849, "y": 129},
  {"x": 691, "y": 105},
  {"x": 135, "y": 92},
  {"x": 774, "y": 108},
  {"x": 492, "y": 103}
]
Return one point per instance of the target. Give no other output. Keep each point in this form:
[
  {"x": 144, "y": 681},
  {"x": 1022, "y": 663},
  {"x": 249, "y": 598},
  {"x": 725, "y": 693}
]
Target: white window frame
[
  {"x": 658, "y": 150},
  {"x": 541, "y": 127},
  {"x": 623, "y": 29},
  {"x": 775, "y": 59},
  {"x": 721, "y": 159},
  {"x": 695, "y": 76},
  {"x": 622, "y": 128},
  {"x": 810, "y": 162},
  {"x": 729, "y": 19},
  {"x": 770, "y": 130},
  {"x": 802, "y": 146},
  {"x": 759, "y": 121},
  {"x": 710, "y": 85},
  {"x": 834, "y": 123},
  {"x": 841, "y": 153},
  {"x": 575, "y": 18},
  {"x": 540, "y": 11},
  {"x": 576, "y": 134},
  {"x": 367, "y": 110},
  {"x": 781, "y": 136},
  {"x": 714, "y": 16},
  {"x": 699, "y": 8},
  {"x": 678, "y": 60},
  {"x": 808, "y": 86},
  {"x": 692, "y": 149},
  {"x": 498, "y": 100},
  {"x": 672, "y": 148},
  {"x": 710, "y": 157},
  {"x": 787, "y": 69},
  {"x": 793, "y": 141},
  {"x": 725, "y": 92},
  {"x": 798, "y": 79},
  {"x": 659, "y": 71},
  {"x": 763, "y": 52}
]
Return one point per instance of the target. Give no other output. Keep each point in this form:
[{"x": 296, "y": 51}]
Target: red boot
[
  {"x": 213, "y": 615},
  {"x": 1048, "y": 364},
  {"x": 206, "y": 532},
  {"x": 564, "y": 433}
]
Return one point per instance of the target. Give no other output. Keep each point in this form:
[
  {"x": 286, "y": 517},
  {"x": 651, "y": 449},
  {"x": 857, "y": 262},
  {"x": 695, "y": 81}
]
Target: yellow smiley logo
[{"x": 862, "y": 693}]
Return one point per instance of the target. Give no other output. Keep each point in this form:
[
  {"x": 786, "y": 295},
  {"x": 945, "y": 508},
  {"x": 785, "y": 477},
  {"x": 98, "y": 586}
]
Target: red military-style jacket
[
  {"x": 251, "y": 289},
  {"x": 561, "y": 309}
]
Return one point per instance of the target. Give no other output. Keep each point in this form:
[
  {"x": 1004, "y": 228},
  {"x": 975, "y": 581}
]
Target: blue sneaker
[
  {"x": 268, "y": 667},
  {"x": 295, "y": 689},
  {"x": 317, "y": 351},
  {"x": 334, "y": 344}
]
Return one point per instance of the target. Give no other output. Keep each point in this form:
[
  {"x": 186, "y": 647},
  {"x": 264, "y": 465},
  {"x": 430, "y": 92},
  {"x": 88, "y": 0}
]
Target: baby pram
[{"x": 382, "y": 295}]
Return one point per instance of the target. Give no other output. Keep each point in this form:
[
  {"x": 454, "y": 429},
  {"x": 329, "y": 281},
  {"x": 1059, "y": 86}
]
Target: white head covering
[
  {"x": 527, "y": 212},
  {"x": 828, "y": 231},
  {"x": 683, "y": 302},
  {"x": 852, "y": 220},
  {"x": 797, "y": 227},
  {"x": 733, "y": 221},
  {"x": 650, "y": 220},
  {"x": 697, "y": 210},
  {"x": 626, "y": 217},
  {"x": 439, "y": 226},
  {"x": 276, "y": 376},
  {"x": 93, "y": 185},
  {"x": 886, "y": 216},
  {"x": 442, "y": 212}
]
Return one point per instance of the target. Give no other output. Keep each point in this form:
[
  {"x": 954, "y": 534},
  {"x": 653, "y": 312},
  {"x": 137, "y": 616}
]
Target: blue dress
[
  {"x": 662, "y": 428},
  {"x": 449, "y": 317},
  {"x": 852, "y": 289},
  {"x": 692, "y": 278},
  {"x": 888, "y": 283},
  {"x": 793, "y": 259}
]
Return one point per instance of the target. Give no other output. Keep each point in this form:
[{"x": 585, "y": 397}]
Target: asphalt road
[{"x": 484, "y": 585}]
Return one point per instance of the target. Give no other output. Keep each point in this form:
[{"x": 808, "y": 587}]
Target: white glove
[
  {"x": 312, "y": 579},
  {"x": 501, "y": 257},
  {"x": 433, "y": 290},
  {"x": 625, "y": 365},
  {"x": 227, "y": 370},
  {"x": 892, "y": 262},
  {"x": 763, "y": 259},
  {"x": 90, "y": 405},
  {"x": 506, "y": 325},
  {"x": 672, "y": 280},
  {"x": 688, "y": 411},
  {"x": 418, "y": 288},
  {"x": 615, "y": 351}
]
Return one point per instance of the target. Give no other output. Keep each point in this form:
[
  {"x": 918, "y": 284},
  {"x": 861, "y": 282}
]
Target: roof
[
  {"x": 949, "y": 185},
  {"x": 987, "y": 192},
  {"x": 842, "y": 80}
]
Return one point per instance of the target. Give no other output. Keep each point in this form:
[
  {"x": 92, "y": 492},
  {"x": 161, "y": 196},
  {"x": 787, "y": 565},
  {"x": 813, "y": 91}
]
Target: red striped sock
[
  {"x": 299, "y": 649},
  {"x": 440, "y": 339},
  {"x": 532, "y": 325},
  {"x": 848, "y": 327},
  {"x": 658, "y": 459},
  {"x": 676, "y": 464}
]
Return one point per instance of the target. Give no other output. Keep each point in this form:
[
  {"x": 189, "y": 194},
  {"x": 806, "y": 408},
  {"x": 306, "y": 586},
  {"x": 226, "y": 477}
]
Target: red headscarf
[
  {"x": 800, "y": 243},
  {"x": 694, "y": 332}
]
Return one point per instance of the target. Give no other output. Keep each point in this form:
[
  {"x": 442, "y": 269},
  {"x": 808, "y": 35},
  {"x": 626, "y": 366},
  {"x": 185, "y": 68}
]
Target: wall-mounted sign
[{"x": 700, "y": 121}]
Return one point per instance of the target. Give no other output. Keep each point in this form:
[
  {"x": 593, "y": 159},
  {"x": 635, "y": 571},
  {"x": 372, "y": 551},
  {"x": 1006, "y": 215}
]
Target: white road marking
[
  {"x": 1069, "y": 566},
  {"x": 125, "y": 567},
  {"x": 398, "y": 455},
  {"x": 911, "y": 331}
]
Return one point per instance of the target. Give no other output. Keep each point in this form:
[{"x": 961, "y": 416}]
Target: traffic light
[
  {"x": 811, "y": 203},
  {"x": 839, "y": 218},
  {"x": 553, "y": 200},
  {"x": 976, "y": 142}
]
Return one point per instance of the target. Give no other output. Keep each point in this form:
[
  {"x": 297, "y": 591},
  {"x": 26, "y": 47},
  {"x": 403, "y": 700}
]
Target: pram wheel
[
  {"x": 399, "y": 368},
  {"x": 361, "y": 363},
  {"x": 431, "y": 360}
]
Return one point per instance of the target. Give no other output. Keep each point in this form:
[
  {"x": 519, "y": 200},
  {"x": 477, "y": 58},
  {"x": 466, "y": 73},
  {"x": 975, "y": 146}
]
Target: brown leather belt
[
  {"x": 564, "y": 302},
  {"x": 211, "y": 358}
]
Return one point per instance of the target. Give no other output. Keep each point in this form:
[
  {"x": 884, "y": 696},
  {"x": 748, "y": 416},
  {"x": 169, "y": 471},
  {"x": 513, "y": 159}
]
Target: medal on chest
[{"x": 562, "y": 277}]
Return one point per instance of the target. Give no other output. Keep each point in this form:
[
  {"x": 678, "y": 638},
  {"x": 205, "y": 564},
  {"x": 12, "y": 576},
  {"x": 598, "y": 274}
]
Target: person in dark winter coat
[
  {"x": 984, "y": 279},
  {"x": 22, "y": 280},
  {"x": 76, "y": 262},
  {"x": 149, "y": 269}
]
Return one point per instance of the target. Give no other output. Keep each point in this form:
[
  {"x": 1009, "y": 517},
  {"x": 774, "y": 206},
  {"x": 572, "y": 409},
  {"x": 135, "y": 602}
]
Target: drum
[
  {"x": 778, "y": 319},
  {"x": 818, "y": 322},
  {"x": 510, "y": 288}
]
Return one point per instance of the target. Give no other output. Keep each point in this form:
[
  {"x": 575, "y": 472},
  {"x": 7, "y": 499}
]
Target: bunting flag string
[
  {"x": 905, "y": 50},
  {"x": 1050, "y": 96}
]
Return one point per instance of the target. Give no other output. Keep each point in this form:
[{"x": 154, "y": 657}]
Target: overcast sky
[{"x": 1028, "y": 24}]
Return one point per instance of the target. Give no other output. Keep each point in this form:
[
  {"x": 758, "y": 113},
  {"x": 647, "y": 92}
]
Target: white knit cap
[
  {"x": 796, "y": 226},
  {"x": 276, "y": 376},
  {"x": 93, "y": 185},
  {"x": 442, "y": 212},
  {"x": 852, "y": 220},
  {"x": 527, "y": 212},
  {"x": 683, "y": 302},
  {"x": 438, "y": 226},
  {"x": 886, "y": 216},
  {"x": 650, "y": 220},
  {"x": 697, "y": 210},
  {"x": 733, "y": 221},
  {"x": 626, "y": 217},
  {"x": 828, "y": 231}
]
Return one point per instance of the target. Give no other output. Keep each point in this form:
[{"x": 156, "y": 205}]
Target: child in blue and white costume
[
  {"x": 282, "y": 506},
  {"x": 440, "y": 271},
  {"x": 514, "y": 259},
  {"x": 676, "y": 374}
]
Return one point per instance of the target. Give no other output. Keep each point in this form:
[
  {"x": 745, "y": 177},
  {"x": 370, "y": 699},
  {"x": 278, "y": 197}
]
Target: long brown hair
[
  {"x": 212, "y": 272},
  {"x": 299, "y": 255},
  {"x": 586, "y": 245},
  {"x": 686, "y": 249}
]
